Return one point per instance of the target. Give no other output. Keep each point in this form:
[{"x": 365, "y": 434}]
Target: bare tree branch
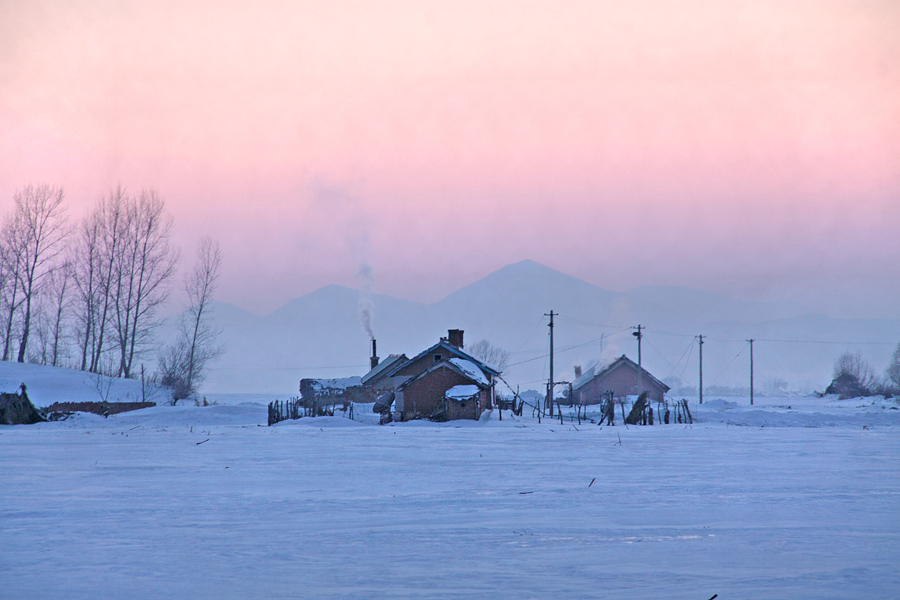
[
  {"x": 36, "y": 238},
  {"x": 183, "y": 364}
]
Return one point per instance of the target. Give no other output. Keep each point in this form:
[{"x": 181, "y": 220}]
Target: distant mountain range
[{"x": 320, "y": 334}]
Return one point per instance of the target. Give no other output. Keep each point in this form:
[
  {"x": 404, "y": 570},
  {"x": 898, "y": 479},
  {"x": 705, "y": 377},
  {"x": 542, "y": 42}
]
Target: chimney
[
  {"x": 577, "y": 371},
  {"x": 374, "y": 359},
  {"x": 455, "y": 337}
]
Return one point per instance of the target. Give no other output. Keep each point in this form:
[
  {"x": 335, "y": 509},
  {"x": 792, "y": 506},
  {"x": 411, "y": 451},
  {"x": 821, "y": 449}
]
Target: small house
[
  {"x": 623, "y": 377},
  {"x": 421, "y": 384},
  {"x": 452, "y": 388}
]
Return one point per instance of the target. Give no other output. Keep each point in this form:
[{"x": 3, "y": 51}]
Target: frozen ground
[{"x": 186, "y": 502}]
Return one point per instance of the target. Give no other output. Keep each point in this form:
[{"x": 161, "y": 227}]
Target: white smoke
[{"x": 366, "y": 307}]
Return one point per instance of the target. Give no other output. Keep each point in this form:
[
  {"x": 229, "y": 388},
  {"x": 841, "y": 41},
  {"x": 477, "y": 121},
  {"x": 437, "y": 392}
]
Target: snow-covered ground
[{"x": 791, "y": 498}]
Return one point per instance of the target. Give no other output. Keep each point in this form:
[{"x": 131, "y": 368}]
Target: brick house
[
  {"x": 420, "y": 384},
  {"x": 619, "y": 377},
  {"x": 452, "y": 388}
]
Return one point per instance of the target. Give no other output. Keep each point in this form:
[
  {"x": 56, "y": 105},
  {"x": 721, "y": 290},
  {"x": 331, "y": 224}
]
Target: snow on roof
[
  {"x": 462, "y": 392},
  {"x": 340, "y": 383},
  {"x": 471, "y": 370},
  {"x": 460, "y": 353},
  {"x": 383, "y": 366},
  {"x": 585, "y": 377},
  {"x": 599, "y": 369}
]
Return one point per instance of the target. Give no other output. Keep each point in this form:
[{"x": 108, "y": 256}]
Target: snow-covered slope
[{"x": 46, "y": 385}]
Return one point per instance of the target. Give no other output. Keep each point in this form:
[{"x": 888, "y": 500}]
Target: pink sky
[{"x": 746, "y": 148}]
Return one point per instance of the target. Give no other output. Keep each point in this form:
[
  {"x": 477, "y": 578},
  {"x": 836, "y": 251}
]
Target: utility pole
[
  {"x": 700, "y": 337},
  {"x": 639, "y": 336},
  {"x": 751, "y": 371},
  {"x": 550, "y": 386}
]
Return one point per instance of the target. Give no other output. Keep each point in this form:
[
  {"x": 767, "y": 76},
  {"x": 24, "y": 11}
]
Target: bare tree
[
  {"x": 87, "y": 268},
  {"x": 492, "y": 355},
  {"x": 200, "y": 287},
  {"x": 57, "y": 303},
  {"x": 123, "y": 263},
  {"x": 892, "y": 376},
  {"x": 852, "y": 376},
  {"x": 173, "y": 370},
  {"x": 38, "y": 231},
  {"x": 144, "y": 264},
  {"x": 183, "y": 364},
  {"x": 855, "y": 366},
  {"x": 97, "y": 255},
  {"x": 10, "y": 264}
]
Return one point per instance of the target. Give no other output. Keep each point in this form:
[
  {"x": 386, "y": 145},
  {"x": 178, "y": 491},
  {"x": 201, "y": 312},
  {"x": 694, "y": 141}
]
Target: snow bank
[{"x": 46, "y": 385}]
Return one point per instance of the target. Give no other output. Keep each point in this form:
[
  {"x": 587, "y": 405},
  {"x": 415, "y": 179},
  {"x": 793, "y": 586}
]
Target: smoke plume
[{"x": 366, "y": 307}]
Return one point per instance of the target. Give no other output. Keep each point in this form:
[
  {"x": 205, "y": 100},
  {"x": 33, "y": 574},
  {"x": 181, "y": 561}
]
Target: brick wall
[
  {"x": 622, "y": 381},
  {"x": 425, "y": 397}
]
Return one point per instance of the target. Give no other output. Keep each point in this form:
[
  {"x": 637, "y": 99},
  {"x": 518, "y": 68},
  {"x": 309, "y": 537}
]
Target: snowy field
[{"x": 793, "y": 498}]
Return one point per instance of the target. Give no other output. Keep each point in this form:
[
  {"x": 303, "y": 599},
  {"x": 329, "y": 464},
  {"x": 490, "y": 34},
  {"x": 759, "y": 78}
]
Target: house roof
[
  {"x": 477, "y": 378},
  {"x": 458, "y": 352},
  {"x": 384, "y": 367},
  {"x": 585, "y": 377},
  {"x": 332, "y": 385},
  {"x": 595, "y": 372},
  {"x": 470, "y": 369}
]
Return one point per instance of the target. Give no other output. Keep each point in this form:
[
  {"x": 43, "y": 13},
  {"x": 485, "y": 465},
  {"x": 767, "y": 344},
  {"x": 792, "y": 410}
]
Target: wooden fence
[
  {"x": 282, "y": 410},
  {"x": 295, "y": 408}
]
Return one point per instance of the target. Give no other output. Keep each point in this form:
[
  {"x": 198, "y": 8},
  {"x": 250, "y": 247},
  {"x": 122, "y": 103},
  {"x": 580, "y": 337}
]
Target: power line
[
  {"x": 722, "y": 372},
  {"x": 661, "y": 355},
  {"x": 819, "y": 342},
  {"x": 530, "y": 335},
  {"x": 690, "y": 351},
  {"x": 669, "y": 332},
  {"x": 546, "y": 355},
  {"x": 580, "y": 322},
  {"x": 257, "y": 369}
]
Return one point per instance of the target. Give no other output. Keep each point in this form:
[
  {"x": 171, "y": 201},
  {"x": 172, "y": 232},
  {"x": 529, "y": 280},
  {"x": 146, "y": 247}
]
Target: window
[{"x": 437, "y": 358}]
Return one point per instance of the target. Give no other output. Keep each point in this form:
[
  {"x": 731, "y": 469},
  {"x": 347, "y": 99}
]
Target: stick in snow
[{"x": 203, "y": 442}]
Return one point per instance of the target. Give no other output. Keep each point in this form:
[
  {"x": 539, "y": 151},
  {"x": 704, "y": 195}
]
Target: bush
[
  {"x": 853, "y": 377},
  {"x": 892, "y": 375}
]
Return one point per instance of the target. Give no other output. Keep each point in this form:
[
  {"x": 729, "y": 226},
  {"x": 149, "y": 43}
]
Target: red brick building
[
  {"x": 420, "y": 384},
  {"x": 449, "y": 389},
  {"x": 619, "y": 377}
]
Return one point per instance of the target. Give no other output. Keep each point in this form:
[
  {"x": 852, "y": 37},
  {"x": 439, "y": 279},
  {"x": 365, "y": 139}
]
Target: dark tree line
[
  {"x": 86, "y": 295},
  {"x": 853, "y": 376}
]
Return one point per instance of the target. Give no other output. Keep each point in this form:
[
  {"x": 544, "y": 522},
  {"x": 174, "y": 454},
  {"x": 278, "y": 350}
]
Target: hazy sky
[{"x": 747, "y": 148}]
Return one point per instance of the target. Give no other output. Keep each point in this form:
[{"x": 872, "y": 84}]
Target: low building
[
  {"x": 378, "y": 378},
  {"x": 319, "y": 393},
  {"x": 622, "y": 377},
  {"x": 421, "y": 384}
]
